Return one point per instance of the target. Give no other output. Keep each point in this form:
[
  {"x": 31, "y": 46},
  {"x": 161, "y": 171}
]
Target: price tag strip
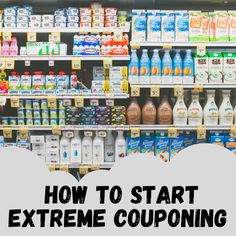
[
  {"x": 172, "y": 132},
  {"x": 95, "y": 167},
  {"x": 79, "y": 102},
  {"x": 201, "y": 50},
  {"x": 52, "y": 102},
  {"x": 94, "y": 102},
  {"x": 15, "y": 102},
  {"x": 201, "y": 132},
  {"x": 83, "y": 169},
  {"x": 155, "y": 91},
  {"x": 7, "y": 132},
  {"x": 178, "y": 90},
  {"x": 135, "y": 132},
  {"x": 110, "y": 102},
  {"x": 135, "y": 91},
  {"x": 56, "y": 37},
  {"x": 64, "y": 168},
  {"x": 31, "y": 37},
  {"x": 107, "y": 63},
  {"x": 198, "y": 88},
  {"x": 23, "y": 132},
  {"x": 76, "y": 64},
  {"x": 56, "y": 130},
  {"x": 52, "y": 167},
  {"x": 3, "y": 101}
]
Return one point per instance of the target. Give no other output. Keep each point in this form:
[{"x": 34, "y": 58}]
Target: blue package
[
  {"x": 176, "y": 145},
  {"x": 217, "y": 138},
  {"x": 162, "y": 146},
  {"x": 147, "y": 142},
  {"x": 133, "y": 145},
  {"x": 189, "y": 139},
  {"x": 230, "y": 143}
]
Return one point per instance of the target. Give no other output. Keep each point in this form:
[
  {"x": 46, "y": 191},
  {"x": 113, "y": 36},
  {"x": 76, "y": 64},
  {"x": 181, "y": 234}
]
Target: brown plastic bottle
[
  {"x": 164, "y": 112},
  {"x": 133, "y": 112},
  {"x": 149, "y": 112}
]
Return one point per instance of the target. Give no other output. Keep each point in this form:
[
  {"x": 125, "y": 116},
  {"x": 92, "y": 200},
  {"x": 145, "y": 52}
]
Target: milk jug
[
  {"x": 195, "y": 110},
  {"x": 226, "y": 110},
  {"x": 156, "y": 67},
  {"x": 188, "y": 68},
  {"x": 211, "y": 112},
  {"x": 98, "y": 149},
  {"x": 87, "y": 150},
  {"x": 134, "y": 68},
  {"x": 76, "y": 148},
  {"x": 167, "y": 68},
  {"x": 178, "y": 68},
  {"x": 120, "y": 146},
  {"x": 64, "y": 149},
  {"x": 109, "y": 147},
  {"x": 180, "y": 111}
]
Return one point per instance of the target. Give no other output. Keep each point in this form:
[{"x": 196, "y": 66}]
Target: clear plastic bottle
[
  {"x": 195, "y": 110},
  {"x": 109, "y": 147},
  {"x": 144, "y": 67},
  {"x": 120, "y": 146},
  {"x": 133, "y": 67},
  {"x": 98, "y": 149},
  {"x": 177, "y": 68},
  {"x": 156, "y": 67},
  {"x": 188, "y": 68},
  {"x": 226, "y": 112},
  {"x": 167, "y": 68},
  {"x": 211, "y": 112},
  {"x": 180, "y": 113}
]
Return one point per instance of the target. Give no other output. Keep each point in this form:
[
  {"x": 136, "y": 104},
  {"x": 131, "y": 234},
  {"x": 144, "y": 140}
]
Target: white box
[
  {"x": 36, "y": 24},
  {"x": 47, "y": 24},
  {"x": 38, "y": 146},
  {"x": 37, "y": 139},
  {"x": 153, "y": 26},
  {"x": 23, "y": 25},
  {"x": 9, "y": 19},
  {"x": 47, "y": 18},
  {"x": 73, "y": 19},
  {"x": 52, "y": 145},
  {"x": 35, "y": 18},
  {"x": 52, "y": 156},
  {"x": 22, "y": 19},
  {"x": 167, "y": 26},
  {"x": 52, "y": 138},
  {"x": 9, "y": 25}
]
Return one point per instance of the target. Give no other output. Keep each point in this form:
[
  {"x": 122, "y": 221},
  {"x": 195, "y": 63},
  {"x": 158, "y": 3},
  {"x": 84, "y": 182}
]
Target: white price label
[
  {"x": 56, "y": 37},
  {"x": 69, "y": 134},
  {"x": 51, "y": 63},
  {"x": 2, "y": 64},
  {"x": 94, "y": 102},
  {"x": 102, "y": 134},
  {"x": 88, "y": 133},
  {"x": 76, "y": 64},
  {"x": 110, "y": 102},
  {"x": 201, "y": 50},
  {"x": 10, "y": 64},
  {"x": 118, "y": 35},
  {"x": 3, "y": 101},
  {"x": 67, "y": 102},
  {"x": 27, "y": 63},
  {"x": 107, "y": 63},
  {"x": 155, "y": 91},
  {"x": 31, "y": 37}
]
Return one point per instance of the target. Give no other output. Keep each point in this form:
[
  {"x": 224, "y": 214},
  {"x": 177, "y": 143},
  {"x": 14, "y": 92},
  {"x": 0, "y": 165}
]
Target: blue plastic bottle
[
  {"x": 155, "y": 67},
  {"x": 188, "y": 68},
  {"x": 167, "y": 68},
  {"x": 177, "y": 68},
  {"x": 133, "y": 67},
  {"x": 144, "y": 67}
]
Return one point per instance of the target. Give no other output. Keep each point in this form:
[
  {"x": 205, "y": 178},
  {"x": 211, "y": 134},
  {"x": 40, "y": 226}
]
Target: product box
[
  {"x": 139, "y": 25},
  {"x": 26, "y": 82},
  {"x": 48, "y": 18},
  {"x": 9, "y": 19},
  {"x": 217, "y": 138},
  {"x": 195, "y": 26},
  {"x": 118, "y": 72},
  {"x": 115, "y": 86},
  {"x": 98, "y": 73},
  {"x": 22, "y": 25},
  {"x": 72, "y": 18},
  {"x": 167, "y": 26},
  {"x": 22, "y": 19},
  {"x": 23, "y": 11},
  {"x": 35, "y": 18},
  {"x": 205, "y": 27},
  {"x": 229, "y": 67},
  {"x": 201, "y": 69},
  {"x": 10, "y": 11},
  {"x": 133, "y": 145},
  {"x": 221, "y": 20},
  {"x": 232, "y": 25},
  {"x": 24, "y": 145},
  {"x": 97, "y": 87},
  {"x": 37, "y": 48},
  {"x": 52, "y": 138},
  {"x": 47, "y": 24},
  {"x": 162, "y": 146},
  {"x": 147, "y": 143},
  {"x": 189, "y": 139},
  {"x": 36, "y": 24},
  {"x": 230, "y": 143},
  {"x": 176, "y": 145},
  {"x": 38, "y": 146},
  {"x": 181, "y": 26},
  {"x": 37, "y": 139},
  {"x": 40, "y": 153},
  {"x": 215, "y": 67},
  {"x": 9, "y": 25},
  {"x": 52, "y": 156},
  {"x": 153, "y": 26}
]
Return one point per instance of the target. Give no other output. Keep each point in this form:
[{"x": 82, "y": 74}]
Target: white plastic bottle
[
  {"x": 87, "y": 150},
  {"x": 109, "y": 147},
  {"x": 211, "y": 112},
  {"x": 64, "y": 149},
  {"x": 195, "y": 110},
  {"x": 226, "y": 111},
  {"x": 180, "y": 113},
  {"x": 98, "y": 149},
  {"x": 76, "y": 148},
  {"x": 120, "y": 146}
]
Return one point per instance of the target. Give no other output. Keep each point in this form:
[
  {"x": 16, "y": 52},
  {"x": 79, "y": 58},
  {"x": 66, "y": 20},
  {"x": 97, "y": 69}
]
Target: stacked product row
[
  {"x": 183, "y": 26},
  {"x": 71, "y": 17},
  {"x": 214, "y": 68},
  {"x": 195, "y": 114}
]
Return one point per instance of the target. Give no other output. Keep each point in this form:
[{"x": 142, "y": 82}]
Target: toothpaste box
[
  {"x": 176, "y": 145},
  {"x": 205, "y": 27},
  {"x": 162, "y": 146},
  {"x": 229, "y": 67},
  {"x": 133, "y": 145},
  {"x": 22, "y": 25},
  {"x": 201, "y": 69},
  {"x": 153, "y": 26},
  {"x": 9, "y": 19},
  {"x": 23, "y": 11},
  {"x": 37, "y": 48},
  {"x": 147, "y": 143},
  {"x": 189, "y": 139},
  {"x": 48, "y": 18},
  {"x": 168, "y": 26},
  {"x": 10, "y": 11},
  {"x": 9, "y": 25},
  {"x": 98, "y": 73},
  {"x": 35, "y": 18},
  {"x": 217, "y": 138},
  {"x": 195, "y": 24},
  {"x": 22, "y": 19},
  {"x": 221, "y": 26},
  {"x": 215, "y": 67},
  {"x": 230, "y": 143},
  {"x": 232, "y": 25},
  {"x": 181, "y": 26},
  {"x": 139, "y": 25}
]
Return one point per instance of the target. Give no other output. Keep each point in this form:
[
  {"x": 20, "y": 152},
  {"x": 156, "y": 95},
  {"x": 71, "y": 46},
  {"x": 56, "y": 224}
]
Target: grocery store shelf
[
  {"x": 111, "y": 127},
  {"x": 77, "y": 165},
  {"x": 207, "y": 86},
  {"x": 64, "y": 58},
  {"x": 184, "y": 44},
  {"x": 67, "y": 96},
  {"x": 67, "y": 30}
]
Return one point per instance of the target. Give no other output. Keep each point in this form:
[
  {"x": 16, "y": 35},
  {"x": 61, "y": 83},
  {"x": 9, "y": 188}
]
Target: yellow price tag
[
  {"x": 79, "y": 102},
  {"x": 172, "y": 132},
  {"x": 167, "y": 46},
  {"x": 135, "y": 91},
  {"x": 23, "y": 132},
  {"x": 198, "y": 88},
  {"x": 6, "y": 36},
  {"x": 155, "y": 91},
  {"x": 7, "y": 132},
  {"x": 31, "y": 37},
  {"x": 178, "y": 90},
  {"x": 52, "y": 102},
  {"x": 124, "y": 72},
  {"x": 107, "y": 63},
  {"x": 201, "y": 50},
  {"x": 233, "y": 131},
  {"x": 118, "y": 35},
  {"x": 124, "y": 86},
  {"x": 201, "y": 132},
  {"x": 9, "y": 64},
  {"x": 135, "y": 45},
  {"x": 56, "y": 130},
  {"x": 2, "y": 64},
  {"x": 76, "y": 64},
  {"x": 3, "y": 101},
  {"x": 56, "y": 37},
  {"x": 15, "y": 102},
  {"x": 64, "y": 168},
  {"x": 83, "y": 169},
  {"x": 95, "y": 167},
  {"x": 52, "y": 167},
  {"x": 106, "y": 72},
  {"x": 107, "y": 86},
  {"x": 135, "y": 132}
]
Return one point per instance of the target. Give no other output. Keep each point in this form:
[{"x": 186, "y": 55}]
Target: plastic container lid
[
  {"x": 38, "y": 73},
  {"x": 62, "y": 73},
  {"x": 51, "y": 73},
  {"x": 26, "y": 73}
]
